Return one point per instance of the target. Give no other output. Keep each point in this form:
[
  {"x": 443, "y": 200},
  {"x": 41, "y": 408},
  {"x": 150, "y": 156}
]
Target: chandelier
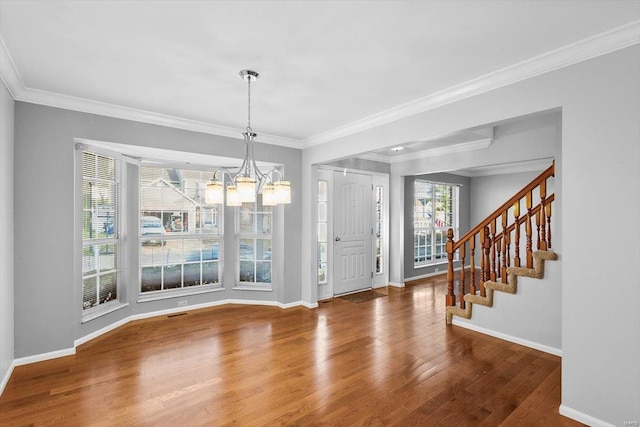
[{"x": 244, "y": 185}]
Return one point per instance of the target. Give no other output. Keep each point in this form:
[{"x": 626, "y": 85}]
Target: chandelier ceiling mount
[{"x": 248, "y": 181}]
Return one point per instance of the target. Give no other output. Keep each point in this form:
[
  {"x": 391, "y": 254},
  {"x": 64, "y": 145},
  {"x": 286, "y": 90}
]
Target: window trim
[
  {"x": 433, "y": 228},
  {"x": 100, "y": 310},
  {"x": 219, "y": 236},
  {"x": 238, "y": 236}
]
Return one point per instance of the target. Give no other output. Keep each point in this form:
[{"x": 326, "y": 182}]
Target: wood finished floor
[{"x": 388, "y": 361}]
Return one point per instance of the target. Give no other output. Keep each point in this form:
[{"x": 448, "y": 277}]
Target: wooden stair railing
[{"x": 495, "y": 245}]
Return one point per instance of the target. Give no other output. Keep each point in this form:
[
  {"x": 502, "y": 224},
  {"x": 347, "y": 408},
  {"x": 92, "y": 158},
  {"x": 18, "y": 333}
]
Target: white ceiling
[{"x": 323, "y": 64}]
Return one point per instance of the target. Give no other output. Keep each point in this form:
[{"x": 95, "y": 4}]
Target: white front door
[{"x": 352, "y": 261}]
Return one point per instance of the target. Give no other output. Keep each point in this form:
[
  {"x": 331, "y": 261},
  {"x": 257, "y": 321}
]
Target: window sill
[
  {"x": 251, "y": 288},
  {"x": 443, "y": 262},
  {"x": 101, "y": 311},
  {"x": 160, "y": 295}
]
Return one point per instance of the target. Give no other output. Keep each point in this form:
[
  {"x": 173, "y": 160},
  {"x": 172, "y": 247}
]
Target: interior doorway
[{"x": 352, "y": 237}]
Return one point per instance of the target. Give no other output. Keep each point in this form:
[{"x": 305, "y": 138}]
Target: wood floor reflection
[{"x": 387, "y": 361}]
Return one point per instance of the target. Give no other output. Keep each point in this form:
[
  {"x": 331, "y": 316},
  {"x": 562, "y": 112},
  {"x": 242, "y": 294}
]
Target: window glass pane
[
  {"x": 172, "y": 275},
  {"x": 247, "y": 249},
  {"x": 322, "y": 273},
  {"x": 263, "y": 249},
  {"x": 210, "y": 273},
  {"x": 108, "y": 287},
  {"x": 247, "y": 219},
  {"x": 192, "y": 274},
  {"x": 322, "y": 232},
  {"x": 322, "y": 252},
  {"x": 246, "y": 271},
  {"x": 107, "y": 257},
  {"x": 89, "y": 292},
  {"x": 322, "y": 191},
  {"x": 264, "y": 223},
  {"x": 263, "y": 272},
  {"x": 210, "y": 250},
  {"x": 322, "y": 212},
  {"x": 151, "y": 279}
]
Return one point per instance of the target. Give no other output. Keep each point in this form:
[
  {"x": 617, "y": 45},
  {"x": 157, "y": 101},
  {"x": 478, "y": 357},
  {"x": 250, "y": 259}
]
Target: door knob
[{"x": 337, "y": 239}]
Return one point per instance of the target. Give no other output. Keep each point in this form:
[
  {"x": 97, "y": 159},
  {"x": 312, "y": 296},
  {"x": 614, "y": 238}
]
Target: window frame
[
  {"x": 433, "y": 230},
  {"x": 181, "y": 235},
  {"x": 118, "y": 302},
  {"x": 255, "y": 236}
]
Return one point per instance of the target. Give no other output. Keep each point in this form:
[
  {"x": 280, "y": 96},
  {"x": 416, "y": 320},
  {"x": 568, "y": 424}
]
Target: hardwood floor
[{"x": 387, "y": 361}]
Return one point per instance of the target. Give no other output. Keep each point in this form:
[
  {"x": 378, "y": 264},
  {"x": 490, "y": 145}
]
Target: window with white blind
[
  {"x": 435, "y": 210},
  {"x": 180, "y": 235},
  {"x": 254, "y": 227},
  {"x": 100, "y": 231}
]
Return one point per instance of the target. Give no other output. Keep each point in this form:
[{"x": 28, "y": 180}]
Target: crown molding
[
  {"x": 20, "y": 92},
  {"x": 582, "y": 50},
  {"x": 599, "y": 44},
  {"x": 431, "y": 152},
  {"x": 8, "y": 71}
]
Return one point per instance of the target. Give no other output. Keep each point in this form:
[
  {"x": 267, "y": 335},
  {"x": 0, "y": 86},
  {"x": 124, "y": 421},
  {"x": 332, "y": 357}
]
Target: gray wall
[
  {"x": 6, "y": 233},
  {"x": 47, "y": 301},
  {"x": 489, "y": 192},
  {"x": 464, "y": 214}
]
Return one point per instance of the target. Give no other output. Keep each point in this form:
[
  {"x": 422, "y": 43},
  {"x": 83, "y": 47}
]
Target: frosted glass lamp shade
[
  {"x": 283, "y": 192},
  {"x": 214, "y": 193},
  {"x": 233, "y": 197},
  {"x": 246, "y": 189},
  {"x": 269, "y": 195}
]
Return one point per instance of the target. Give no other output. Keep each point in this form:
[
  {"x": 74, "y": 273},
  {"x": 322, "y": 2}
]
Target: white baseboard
[
  {"x": 506, "y": 337},
  {"x": 44, "y": 356},
  {"x": 582, "y": 417},
  {"x": 396, "y": 285},
  {"x": 7, "y": 375}
]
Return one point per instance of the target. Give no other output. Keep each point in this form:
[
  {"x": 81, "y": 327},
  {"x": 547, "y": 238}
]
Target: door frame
[{"x": 325, "y": 173}]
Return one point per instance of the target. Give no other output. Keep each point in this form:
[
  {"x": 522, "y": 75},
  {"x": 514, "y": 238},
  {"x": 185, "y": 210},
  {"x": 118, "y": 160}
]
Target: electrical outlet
[
  {"x": 182, "y": 303},
  {"x": 437, "y": 269}
]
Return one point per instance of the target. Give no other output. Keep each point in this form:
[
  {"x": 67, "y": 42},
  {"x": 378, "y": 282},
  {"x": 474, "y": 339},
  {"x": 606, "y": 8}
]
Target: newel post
[{"x": 451, "y": 298}]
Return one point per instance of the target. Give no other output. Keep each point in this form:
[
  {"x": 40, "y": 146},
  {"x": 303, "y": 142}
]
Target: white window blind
[{"x": 100, "y": 230}]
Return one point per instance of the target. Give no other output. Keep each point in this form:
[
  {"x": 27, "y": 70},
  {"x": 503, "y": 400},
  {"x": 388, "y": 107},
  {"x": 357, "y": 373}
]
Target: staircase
[{"x": 500, "y": 264}]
